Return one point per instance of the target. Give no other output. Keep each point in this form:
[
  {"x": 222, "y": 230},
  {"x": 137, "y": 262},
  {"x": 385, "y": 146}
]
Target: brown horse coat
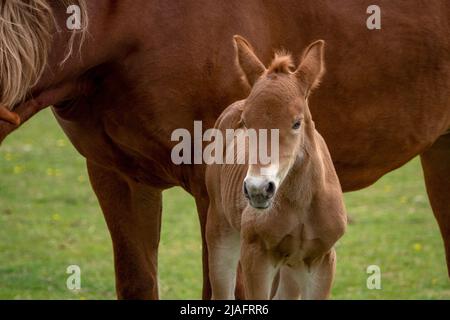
[{"x": 149, "y": 67}]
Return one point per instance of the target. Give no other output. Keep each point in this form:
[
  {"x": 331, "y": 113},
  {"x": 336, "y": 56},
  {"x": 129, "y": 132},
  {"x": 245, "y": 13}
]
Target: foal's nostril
[
  {"x": 245, "y": 190},
  {"x": 270, "y": 188}
]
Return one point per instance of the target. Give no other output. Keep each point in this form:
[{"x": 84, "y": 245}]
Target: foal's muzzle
[{"x": 259, "y": 191}]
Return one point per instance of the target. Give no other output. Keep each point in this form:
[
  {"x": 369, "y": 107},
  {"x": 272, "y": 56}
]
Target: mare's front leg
[
  {"x": 133, "y": 215},
  {"x": 258, "y": 271},
  {"x": 316, "y": 278}
]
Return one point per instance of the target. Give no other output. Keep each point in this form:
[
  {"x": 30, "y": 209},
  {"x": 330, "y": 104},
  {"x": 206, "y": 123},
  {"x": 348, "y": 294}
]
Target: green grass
[{"x": 49, "y": 219}]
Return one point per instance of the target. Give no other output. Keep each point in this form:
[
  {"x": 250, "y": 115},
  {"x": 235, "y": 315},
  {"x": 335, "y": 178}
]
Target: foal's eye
[{"x": 296, "y": 125}]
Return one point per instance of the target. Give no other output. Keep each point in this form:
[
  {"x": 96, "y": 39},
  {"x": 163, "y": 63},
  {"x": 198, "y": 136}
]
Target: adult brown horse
[{"x": 147, "y": 68}]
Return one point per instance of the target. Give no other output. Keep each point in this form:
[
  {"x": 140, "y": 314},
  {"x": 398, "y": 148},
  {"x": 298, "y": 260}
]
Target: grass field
[{"x": 49, "y": 219}]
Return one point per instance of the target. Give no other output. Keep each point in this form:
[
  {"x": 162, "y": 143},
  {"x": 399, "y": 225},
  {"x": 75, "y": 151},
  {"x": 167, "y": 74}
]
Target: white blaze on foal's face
[
  {"x": 274, "y": 110},
  {"x": 282, "y": 147}
]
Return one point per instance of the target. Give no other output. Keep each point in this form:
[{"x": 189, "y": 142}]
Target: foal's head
[{"x": 278, "y": 100}]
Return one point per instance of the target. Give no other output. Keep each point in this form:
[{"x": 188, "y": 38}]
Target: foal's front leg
[
  {"x": 258, "y": 271},
  {"x": 288, "y": 287},
  {"x": 223, "y": 255},
  {"x": 317, "y": 278}
]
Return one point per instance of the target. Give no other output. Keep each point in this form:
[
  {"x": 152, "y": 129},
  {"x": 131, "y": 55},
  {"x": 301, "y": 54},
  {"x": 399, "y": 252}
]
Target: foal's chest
[{"x": 293, "y": 248}]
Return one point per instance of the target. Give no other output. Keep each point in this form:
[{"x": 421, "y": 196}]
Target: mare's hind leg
[
  {"x": 202, "y": 202},
  {"x": 133, "y": 215},
  {"x": 317, "y": 279},
  {"x": 436, "y": 168},
  {"x": 223, "y": 252}
]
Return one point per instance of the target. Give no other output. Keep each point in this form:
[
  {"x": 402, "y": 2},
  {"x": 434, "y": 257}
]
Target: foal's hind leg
[
  {"x": 317, "y": 278},
  {"x": 436, "y": 168}
]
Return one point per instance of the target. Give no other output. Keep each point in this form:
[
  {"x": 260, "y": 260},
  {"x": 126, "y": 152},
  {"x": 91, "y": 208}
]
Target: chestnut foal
[{"x": 286, "y": 216}]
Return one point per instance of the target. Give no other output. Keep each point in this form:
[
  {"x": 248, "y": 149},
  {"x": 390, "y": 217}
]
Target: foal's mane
[
  {"x": 26, "y": 28},
  {"x": 281, "y": 63}
]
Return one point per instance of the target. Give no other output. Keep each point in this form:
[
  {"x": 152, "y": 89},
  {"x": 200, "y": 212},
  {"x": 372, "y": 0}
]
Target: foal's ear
[
  {"x": 249, "y": 63},
  {"x": 312, "y": 66}
]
